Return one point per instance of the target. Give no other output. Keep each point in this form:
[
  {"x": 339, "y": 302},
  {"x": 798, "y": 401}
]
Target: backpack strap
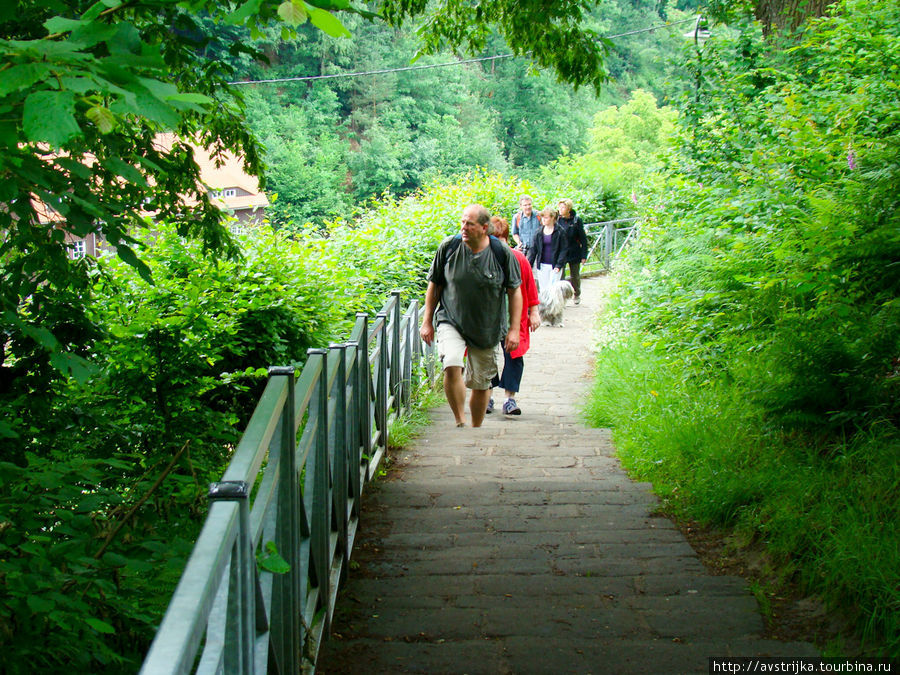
[{"x": 496, "y": 249}]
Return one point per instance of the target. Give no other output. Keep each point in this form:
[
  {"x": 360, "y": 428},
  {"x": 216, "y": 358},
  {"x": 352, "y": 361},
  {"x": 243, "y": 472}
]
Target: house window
[
  {"x": 78, "y": 249},
  {"x": 237, "y": 228},
  {"x": 216, "y": 194},
  {"x": 230, "y": 192}
]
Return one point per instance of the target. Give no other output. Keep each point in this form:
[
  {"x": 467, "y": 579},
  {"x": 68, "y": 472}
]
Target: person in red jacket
[{"x": 514, "y": 362}]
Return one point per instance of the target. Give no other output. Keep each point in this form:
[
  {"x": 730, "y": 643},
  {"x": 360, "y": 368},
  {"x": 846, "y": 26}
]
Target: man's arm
[
  {"x": 432, "y": 296},
  {"x": 515, "y": 317}
]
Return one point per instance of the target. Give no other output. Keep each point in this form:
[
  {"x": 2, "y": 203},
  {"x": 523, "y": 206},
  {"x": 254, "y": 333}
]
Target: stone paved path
[{"x": 522, "y": 547}]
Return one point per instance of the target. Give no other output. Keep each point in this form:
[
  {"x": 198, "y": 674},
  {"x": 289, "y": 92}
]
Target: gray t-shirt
[{"x": 473, "y": 293}]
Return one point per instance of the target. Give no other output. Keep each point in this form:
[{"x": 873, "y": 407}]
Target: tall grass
[{"x": 828, "y": 513}]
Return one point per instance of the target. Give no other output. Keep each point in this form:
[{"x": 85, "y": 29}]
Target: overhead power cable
[{"x": 307, "y": 78}]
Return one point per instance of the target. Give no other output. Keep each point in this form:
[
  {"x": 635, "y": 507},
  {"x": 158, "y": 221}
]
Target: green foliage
[
  {"x": 306, "y": 156},
  {"x": 391, "y": 246},
  {"x": 538, "y": 119},
  {"x": 102, "y": 529},
  {"x": 615, "y": 170},
  {"x": 552, "y": 33},
  {"x": 425, "y": 395},
  {"x": 85, "y": 89},
  {"x": 332, "y": 143},
  {"x": 649, "y": 60},
  {"x": 775, "y": 238}
]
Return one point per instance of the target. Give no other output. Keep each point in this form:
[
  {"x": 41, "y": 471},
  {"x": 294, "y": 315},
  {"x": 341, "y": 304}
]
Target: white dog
[{"x": 553, "y": 302}]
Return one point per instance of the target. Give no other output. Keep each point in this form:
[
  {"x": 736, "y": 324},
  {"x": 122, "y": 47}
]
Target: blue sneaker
[
  {"x": 510, "y": 407},
  {"x": 490, "y": 407}
]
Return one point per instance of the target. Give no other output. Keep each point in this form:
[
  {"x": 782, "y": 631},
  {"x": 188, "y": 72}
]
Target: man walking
[
  {"x": 473, "y": 300},
  {"x": 525, "y": 223}
]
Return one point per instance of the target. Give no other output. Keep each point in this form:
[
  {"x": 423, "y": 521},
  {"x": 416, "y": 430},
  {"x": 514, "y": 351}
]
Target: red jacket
[{"x": 529, "y": 300}]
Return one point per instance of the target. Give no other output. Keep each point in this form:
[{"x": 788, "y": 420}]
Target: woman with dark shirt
[{"x": 549, "y": 250}]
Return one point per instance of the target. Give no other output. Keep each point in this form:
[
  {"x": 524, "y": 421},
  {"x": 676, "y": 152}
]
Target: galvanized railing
[
  {"x": 606, "y": 241},
  {"x": 258, "y": 592}
]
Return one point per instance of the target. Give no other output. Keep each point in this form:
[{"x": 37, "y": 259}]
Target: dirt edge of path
[{"x": 790, "y": 614}]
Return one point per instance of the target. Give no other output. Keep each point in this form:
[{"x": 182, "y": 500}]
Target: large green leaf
[
  {"x": 126, "y": 170},
  {"x": 22, "y": 76},
  {"x": 49, "y": 116},
  {"x": 292, "y": 12},
  {"x": 129, "y": 256},
  {"x": 73, "y": 365},
  {"x": 103, "y": 118},
  {"x": 60, "y": 24},
  {"x": 99, "y": 626},
  {"x": 327, "y": 22},
  {"x": 244, "y": 12}
]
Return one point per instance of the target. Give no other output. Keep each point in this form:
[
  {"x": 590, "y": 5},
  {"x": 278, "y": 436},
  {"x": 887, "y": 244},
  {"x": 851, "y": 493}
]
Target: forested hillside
[{"x": 335, "y": 143}]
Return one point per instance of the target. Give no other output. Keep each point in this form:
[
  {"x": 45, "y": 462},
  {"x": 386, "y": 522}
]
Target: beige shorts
[{"x": 481, "y": 365}]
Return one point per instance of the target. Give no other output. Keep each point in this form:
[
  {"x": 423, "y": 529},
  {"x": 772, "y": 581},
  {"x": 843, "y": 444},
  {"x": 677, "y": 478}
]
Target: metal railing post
[
  {"x": 607, "y": 247},
  {"x": 363, "y": 386},
  {"x": 339, "y": 469},
  {"x": 415, "y": 343},
  {"x": 356, "y": 439},
  {"x": 287, "y": 605},
  {"x": 317, "y": 470},
  {"x": 240, "y": 624},
  {"x": 381, "y": 377},
  {"x": 408, "y": 353},
  {"x": 395, "y": 365}
]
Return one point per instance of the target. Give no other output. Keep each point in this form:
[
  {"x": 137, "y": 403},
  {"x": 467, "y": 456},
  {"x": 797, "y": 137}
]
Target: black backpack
[{"x": 496, "y": 248}]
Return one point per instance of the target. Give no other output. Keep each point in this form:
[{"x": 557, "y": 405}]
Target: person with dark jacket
[
  {"x": 548, "y": 252},
  {"x": 578, "y": 244}
]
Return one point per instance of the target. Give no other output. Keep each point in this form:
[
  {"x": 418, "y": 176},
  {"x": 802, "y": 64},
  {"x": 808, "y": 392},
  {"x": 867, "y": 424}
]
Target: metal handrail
[
  {"x": 609, "y": 242},
  {"x": 292, "y": 488}
]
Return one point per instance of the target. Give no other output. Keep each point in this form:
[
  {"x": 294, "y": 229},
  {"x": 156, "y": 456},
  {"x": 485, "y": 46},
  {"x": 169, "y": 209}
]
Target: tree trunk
[{"x": 779, "y": 15}]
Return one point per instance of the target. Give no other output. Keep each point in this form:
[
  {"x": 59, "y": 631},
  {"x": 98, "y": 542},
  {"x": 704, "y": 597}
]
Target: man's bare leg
[
  {"x": 478, "y": 405},
  {"x": 455, "y": 391}
]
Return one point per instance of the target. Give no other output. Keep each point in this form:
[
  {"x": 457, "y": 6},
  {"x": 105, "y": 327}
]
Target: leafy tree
[
  {"x": 649, "y": 59},
  {"x": 763, "y": 289},
  {"x": 552, "y": 33},
  {"x": 306, "y": 156},
  {"x": 616, "y": 170},
  {"x": 114, "y": 386}
]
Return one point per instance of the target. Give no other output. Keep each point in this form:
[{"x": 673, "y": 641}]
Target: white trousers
[{"x": 546, "y": 277}]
